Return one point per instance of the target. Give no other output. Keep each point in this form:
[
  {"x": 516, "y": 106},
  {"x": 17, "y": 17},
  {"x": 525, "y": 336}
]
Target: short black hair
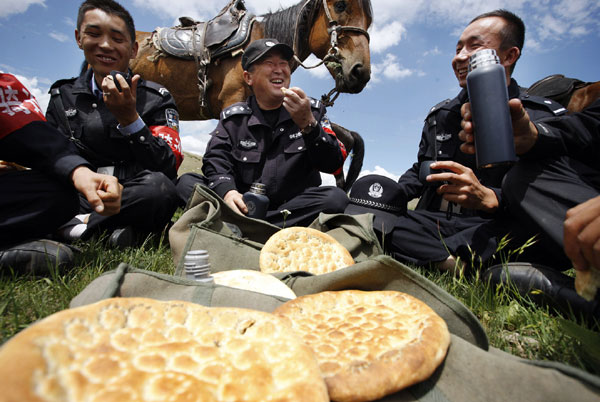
[
  {"x": 513, "y": 33},
  {"x": 110, "y": 7}
]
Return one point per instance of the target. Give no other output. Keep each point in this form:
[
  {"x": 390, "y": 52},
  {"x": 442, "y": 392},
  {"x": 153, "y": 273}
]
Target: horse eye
[{"x": 339, "y": 6}]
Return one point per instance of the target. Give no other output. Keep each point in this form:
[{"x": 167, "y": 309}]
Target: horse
[
  {"x": 334, "y": 30},
  {"x": 574, "y": 94}
]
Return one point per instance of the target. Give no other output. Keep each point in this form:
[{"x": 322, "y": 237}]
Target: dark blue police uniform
[
  {"x": 245, "y": 148},
  {"x": 144, "y": 163},
  {"x": 436, "y": 228},
  {"x": 561, "y": 171}
]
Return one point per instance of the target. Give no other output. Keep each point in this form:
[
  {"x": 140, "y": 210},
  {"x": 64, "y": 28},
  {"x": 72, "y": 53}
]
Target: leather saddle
[
  {"x": 195, "y": 40},
  {"x": 556, "y": 87}
]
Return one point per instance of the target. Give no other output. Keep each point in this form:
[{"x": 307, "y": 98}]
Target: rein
[{"x": 335, "y": 31}]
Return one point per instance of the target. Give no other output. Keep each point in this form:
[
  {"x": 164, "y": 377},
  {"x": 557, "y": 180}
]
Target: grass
[{"x": 513, "y": 323}]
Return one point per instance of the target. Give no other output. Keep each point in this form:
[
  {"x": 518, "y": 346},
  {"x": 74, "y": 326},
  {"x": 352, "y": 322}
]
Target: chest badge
[
  {"x": 70, "y": 112},
  {"x": 443, "y": 137},
  {"x": 247, "y": 144}
]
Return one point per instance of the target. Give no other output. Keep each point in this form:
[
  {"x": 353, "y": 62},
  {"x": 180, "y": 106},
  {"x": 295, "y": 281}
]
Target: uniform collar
[
  {"x": 513, "y": 92},
  {"x": 257, "y": 117}
]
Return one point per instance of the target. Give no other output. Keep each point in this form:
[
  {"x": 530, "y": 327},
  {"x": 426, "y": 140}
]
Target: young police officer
[{"x": 131, "y": 133}]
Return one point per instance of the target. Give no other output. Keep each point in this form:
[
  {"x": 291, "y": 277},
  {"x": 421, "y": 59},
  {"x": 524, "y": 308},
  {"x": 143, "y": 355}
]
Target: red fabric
[
  {"x": 17, "y": 106},
  {"x": 171, "y": 137},
  {"x": 327, "y": 128}
]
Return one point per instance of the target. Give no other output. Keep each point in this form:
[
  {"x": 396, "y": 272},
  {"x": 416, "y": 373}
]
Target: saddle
[
  {"x": 204, "y": 41},
  {"x": 556, "y": 87}
]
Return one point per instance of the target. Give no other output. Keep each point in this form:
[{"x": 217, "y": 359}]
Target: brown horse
[{"x": 331, "y": 29}]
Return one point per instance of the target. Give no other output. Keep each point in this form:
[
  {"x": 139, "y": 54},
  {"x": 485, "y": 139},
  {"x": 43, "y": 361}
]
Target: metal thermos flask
[
  {"x": 256, "y": 201},
  {"x": 488, "y": 94}
]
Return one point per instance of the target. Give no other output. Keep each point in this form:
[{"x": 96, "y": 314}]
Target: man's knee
[{"x": 336, "y": 201}]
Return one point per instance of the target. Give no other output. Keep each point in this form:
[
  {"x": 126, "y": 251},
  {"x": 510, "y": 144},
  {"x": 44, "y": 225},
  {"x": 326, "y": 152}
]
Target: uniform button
[
  {"x": 323, "y": 139},
  {"x": 299, "y": 148},
  {"x": 142, "y": 138},
  {"x": 281, "y": 129},
  {"x": 244, "y": 159},
  {"x": 94, "y": 105},
  {"x": 439, "y": 152},
  {"x": 131, "y": 141}
]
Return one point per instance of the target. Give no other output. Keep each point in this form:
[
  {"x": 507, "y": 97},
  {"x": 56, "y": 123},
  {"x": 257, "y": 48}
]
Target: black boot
[
  {"x": 36, "y": 257},
  {"x": 556, "y": 288}
]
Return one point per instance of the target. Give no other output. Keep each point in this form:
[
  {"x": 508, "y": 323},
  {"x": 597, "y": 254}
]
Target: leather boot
[
  {"x": 557, "y": 289},
  {"x": 36, "y": 257}
]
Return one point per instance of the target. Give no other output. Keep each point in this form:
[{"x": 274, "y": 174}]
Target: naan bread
[
  {"x": 303, "y": 249},
  {"x": 369, "y": 344},
  {"x": 255, "y": 281},
  {"x": 587, "y": 283},
  {"x": 135, "y": 349}
]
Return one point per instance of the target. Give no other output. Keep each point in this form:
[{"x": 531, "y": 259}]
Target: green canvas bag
[{"x": 472, "y": 370}]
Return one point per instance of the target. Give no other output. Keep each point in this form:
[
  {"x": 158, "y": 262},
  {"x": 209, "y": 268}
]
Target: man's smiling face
[
  {"x": 266, "y": 77},
  {"x": 105, "y": 42}
]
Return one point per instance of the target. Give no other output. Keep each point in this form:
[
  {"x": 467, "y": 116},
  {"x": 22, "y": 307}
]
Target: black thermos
[
  {"x": 256, "y": 201},
  {"x": 488, "y": 94}
]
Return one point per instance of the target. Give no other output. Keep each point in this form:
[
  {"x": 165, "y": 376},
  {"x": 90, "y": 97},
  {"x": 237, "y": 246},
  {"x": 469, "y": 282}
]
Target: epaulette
[
  {"x": 556, "y": 108},
  {"x": 155, "y": 86},
  {"x": 60, "y": 83},
  {"x": 439, "y": 106},
  {"x": 236, "y": 108}
]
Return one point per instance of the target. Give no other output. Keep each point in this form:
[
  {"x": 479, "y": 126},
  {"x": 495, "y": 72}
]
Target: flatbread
[
  {"x": 369, "y": 344},
  {"x": 135, "y": 349},
  {"x": 255, "y": 281},
  {"x": 587, "y": 283},
  {"x": 303, "y": 249}
]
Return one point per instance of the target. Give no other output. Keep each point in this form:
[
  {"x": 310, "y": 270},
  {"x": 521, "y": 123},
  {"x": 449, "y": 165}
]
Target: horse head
[{"x": 339, "y": 37}]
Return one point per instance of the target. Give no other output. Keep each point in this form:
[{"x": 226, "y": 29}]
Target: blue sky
[{"x": 412, "y": 44}]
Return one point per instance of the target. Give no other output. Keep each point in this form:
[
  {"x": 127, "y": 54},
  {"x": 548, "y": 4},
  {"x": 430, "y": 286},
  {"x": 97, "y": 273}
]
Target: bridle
[{"x": 335, "y": 31}]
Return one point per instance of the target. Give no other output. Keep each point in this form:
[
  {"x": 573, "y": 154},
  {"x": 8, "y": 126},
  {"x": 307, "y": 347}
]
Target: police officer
[
  {"x": 126, "y": 128},
  {"x": 36, "y": 201},
  {"x": 460, "y": 208},
  {"x": 279, "y": 137}
]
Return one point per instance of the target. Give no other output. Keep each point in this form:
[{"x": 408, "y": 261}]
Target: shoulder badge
[
  {"x": 156, "y": 87},
  {"x": 60, "y": 83},
  {"x": 550, "y": 104},
  {"x": 315, "y": 103},
  {"x": 238, "y": 108}
]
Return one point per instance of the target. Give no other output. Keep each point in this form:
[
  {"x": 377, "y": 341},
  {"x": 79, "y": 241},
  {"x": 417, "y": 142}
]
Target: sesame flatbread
[
  {"x": 369, "y": 344},
  {"x": 135, "y": 349},
  {"x": 303, "y": 249}
]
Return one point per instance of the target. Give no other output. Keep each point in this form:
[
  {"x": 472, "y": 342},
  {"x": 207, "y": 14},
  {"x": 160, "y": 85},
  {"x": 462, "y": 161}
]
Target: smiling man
[
  {"x": 278, "y": 137},
  {"x": 458, "y": 202},
  {"x": 131, "y": 133}
]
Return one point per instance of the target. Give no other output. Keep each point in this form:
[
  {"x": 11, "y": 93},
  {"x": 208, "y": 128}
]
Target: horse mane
[{"x": 277, "y": 25}]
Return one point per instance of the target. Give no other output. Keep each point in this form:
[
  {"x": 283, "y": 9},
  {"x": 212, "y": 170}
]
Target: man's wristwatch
[{"x": 311, "y": 126}]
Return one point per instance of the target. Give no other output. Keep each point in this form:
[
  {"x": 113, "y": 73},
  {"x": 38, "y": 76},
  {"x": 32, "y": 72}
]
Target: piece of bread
[
  {"x": 303, "y": 249},
  {"x": 135, "y": 349},
  {"x": 369, "y": 344},
  {"x": 255, "y": 281},
  {"x": 587, "y": 283}
]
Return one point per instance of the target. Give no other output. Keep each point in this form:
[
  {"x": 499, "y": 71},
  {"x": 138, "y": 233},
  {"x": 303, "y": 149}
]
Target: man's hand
[
  {"x": 103, "y": 192},
  {"x": 121, "y": 104},
  {"x": 297, "y": 104},
  {"x": 463, "y": 187},
  {"x": 582, "y": 234},
  {"x": 236, "y": 202},
  {"x": 524, "y": 131}
]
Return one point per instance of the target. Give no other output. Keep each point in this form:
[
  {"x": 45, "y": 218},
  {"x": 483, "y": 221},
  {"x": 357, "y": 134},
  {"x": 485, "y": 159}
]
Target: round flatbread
[
  {"x": 134, "y": 349},
  {"x": 255, "y": 281},
  {"x": 303, "y": 249},
  {"x": 369, "y": 344}
]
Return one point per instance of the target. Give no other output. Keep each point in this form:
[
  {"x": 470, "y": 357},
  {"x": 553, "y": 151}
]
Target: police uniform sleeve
[
  {"x": 326, "y": 152},
  {"x": 218, "y": 162},
  {"x": 576, "y": 135},
  {"x": 155, "y": 145}
]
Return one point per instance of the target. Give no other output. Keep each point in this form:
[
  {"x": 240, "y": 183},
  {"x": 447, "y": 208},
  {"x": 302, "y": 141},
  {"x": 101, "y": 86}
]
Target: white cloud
[
  {"x": 9, "y": 7},
  {"x": 389, "y": 68},
  {"x": 380, "y": 171},
  {"x": 195, "y": 135},
  {"x": 36, "y": 88},
  {"x": 386, "y": 36},
  {"x": 61, "y": 37},
  {"x": 319, "y": 72},
  {"x": 433, "y": 52}
]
